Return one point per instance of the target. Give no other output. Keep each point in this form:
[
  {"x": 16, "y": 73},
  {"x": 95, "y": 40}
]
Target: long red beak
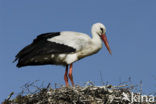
[{"x": 104, "y": 38}]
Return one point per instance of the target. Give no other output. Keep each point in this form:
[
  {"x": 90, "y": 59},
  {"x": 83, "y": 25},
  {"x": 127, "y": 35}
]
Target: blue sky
[{"x": 130, "y": 30}]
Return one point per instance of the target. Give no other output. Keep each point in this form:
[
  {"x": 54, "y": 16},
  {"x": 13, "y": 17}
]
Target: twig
[
  {"x": 10, "y": 95},
  {"x": 48, "y": 85},
  {"x": 101, "y": 78}
]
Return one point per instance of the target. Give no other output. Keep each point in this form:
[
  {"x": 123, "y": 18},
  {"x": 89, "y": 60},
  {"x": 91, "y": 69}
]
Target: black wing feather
[
  {"x": 41, "y": 47},
  {"x": 38, "y": 41}
]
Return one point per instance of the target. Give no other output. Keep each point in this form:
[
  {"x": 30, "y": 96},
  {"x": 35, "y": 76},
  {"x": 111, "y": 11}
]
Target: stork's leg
[
  {"x": 66, "y": 76},
  {"x": 70, "y": 75}
]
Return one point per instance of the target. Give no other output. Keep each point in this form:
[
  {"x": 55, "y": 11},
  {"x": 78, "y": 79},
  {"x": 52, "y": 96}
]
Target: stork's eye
[{"x": 102, "y": 30}]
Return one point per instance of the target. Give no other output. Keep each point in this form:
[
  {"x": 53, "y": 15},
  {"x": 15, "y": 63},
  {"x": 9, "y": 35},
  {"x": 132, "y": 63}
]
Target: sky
[{"x": 130, "y": 27}]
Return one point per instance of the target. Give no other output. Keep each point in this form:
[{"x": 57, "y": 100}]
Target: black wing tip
[
  {"x": 18, "y": 65},
  {"x": 14, "y": 60}
]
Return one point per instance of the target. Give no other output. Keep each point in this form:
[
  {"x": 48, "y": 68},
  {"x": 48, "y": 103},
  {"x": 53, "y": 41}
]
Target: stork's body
[
  {"x": 82, "y": 44},
  {"x": 62, "y": 48}
]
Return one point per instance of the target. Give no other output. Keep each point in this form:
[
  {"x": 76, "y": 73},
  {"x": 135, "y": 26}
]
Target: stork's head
[{"x": 100, "y": 30}]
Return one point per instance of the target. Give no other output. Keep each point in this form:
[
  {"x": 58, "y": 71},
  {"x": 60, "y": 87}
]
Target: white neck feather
[{"x": 96, "y": 40}]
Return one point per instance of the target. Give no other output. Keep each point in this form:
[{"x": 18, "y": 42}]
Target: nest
[{"x": 89, "y": 94}]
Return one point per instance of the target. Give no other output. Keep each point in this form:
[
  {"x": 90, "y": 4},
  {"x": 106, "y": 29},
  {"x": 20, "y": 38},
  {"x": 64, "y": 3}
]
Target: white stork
[{"x": 63, "y": 48}]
